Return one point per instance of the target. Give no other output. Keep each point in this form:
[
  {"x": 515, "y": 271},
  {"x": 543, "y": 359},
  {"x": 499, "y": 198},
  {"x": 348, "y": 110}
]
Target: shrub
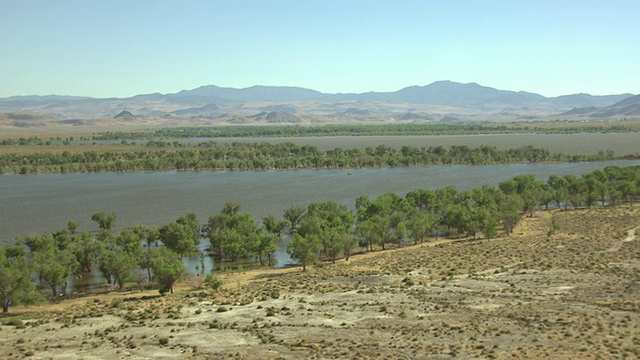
[
  {"x": 408, "y": 281},
  {"x": 213, "y": 282},
  {"x": 116, "y": 302},
  {"x": 275, "y": 294}
]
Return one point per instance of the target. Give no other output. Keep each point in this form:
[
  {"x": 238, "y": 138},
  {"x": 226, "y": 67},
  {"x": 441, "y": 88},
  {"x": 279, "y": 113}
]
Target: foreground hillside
[{"x": 571, "y": 292}]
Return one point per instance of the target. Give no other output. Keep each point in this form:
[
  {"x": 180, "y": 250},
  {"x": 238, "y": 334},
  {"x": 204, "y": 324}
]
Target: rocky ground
[{"x": 564, "y": 294}]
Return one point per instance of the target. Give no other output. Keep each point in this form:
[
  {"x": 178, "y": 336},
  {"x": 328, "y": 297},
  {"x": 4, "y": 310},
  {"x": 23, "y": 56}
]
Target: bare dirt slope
[{"x": 529, "y": 296}]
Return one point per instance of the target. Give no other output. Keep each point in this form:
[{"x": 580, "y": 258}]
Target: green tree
[
  {"x": 348, "y": 242},
  {"x": 105, "y": 221},
  {"x": 230, "y": 208},
  {"x": 266, "y": 247},
  {"x": 422, "y": 199},
  {"x": 151, "y": 237},
  {"x": 119, "y": 264},
  {"x": 294, "y": 216},
  {"x": 560, "y": 188},
  {"x": 233, "y": 234},
  {"x": 212, "y": 282},
  {"x": 304, "y": 249},
  {"x": 488, "y": 219},
  {"x": 85, "y": 249},
  {"x": 130, "y": 240},
  {"x": 216, "y": 224},
  {"x": 575, "y": 187},
  {"x": 120, "y": 255},
  {"x": 190, "y": 220},
  {"x": 371, "y": 232},
  {"x": 55, "y": 266},
  {"x": 275, "y": 226},
  {"x": 420, "y": 225},
  {"x": 167, "y": 268},
  {"x": 510, "y": 206},
  {"x": 383, "y": 220},
  {"x": 233, "y": 246},
  {"x": 627, "y": 189},
  {"x": 593, "y": 188},
  {"x": 179, "y": 238},
  {"x": 459, "y": 217},
  {"x": 328, "y": 222},
  {"x": 72, "y": 226},
  {"x": 16, "y": 280},
  {"x": 527, "y": 187}
]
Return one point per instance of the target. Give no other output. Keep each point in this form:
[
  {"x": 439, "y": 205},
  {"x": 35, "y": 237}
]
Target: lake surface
[
  {"x": 40, "y": 203},
  {"x": 46, "y": 202}
]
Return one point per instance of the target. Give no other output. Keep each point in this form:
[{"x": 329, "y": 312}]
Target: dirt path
[{"x": 631, "y": 235}]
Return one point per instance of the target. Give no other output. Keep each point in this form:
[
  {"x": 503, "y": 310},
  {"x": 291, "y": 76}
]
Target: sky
[{"x": 114, "y": 48}]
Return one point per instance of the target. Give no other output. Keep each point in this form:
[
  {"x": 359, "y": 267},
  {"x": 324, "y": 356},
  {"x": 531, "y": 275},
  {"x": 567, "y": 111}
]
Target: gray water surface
[{"x": 46, "y": 202}]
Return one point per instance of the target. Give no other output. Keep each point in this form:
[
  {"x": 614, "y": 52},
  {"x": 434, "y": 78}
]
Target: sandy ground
[{"x": 574, "y": 294}]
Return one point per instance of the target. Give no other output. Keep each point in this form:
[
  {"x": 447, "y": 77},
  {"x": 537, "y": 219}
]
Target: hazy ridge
[{"x": 442, "y": 101}]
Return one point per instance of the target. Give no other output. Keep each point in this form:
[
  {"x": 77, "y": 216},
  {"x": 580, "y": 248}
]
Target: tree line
[
  {"x": 258, "y": 131},
  {"x": 281, "y": 156},
  {"x": 321, "y": 231},
  {"x": 353, "y": 130}
]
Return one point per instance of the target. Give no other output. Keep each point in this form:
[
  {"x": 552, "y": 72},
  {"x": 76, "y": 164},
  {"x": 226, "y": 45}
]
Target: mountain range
[{"x": 210, "y": 104}]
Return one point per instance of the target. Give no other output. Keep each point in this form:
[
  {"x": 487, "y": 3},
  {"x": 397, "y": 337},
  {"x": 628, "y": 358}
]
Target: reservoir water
[
  {"x": 46, "y": 202},
  {"x": 36, "y": 204}
]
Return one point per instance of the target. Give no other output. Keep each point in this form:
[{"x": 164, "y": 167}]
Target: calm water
[{"x": 46, "y": 202}]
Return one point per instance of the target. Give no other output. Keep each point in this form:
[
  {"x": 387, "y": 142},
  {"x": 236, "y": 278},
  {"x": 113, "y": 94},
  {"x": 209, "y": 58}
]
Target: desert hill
[
  {"x": 125, "y": 115},
  {"x": 24, "y": 119},
  {"x": 629, "y": 107}
]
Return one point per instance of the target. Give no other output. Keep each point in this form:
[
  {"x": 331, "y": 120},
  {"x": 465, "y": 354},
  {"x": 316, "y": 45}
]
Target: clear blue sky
[{"x": 114, "y": 48}]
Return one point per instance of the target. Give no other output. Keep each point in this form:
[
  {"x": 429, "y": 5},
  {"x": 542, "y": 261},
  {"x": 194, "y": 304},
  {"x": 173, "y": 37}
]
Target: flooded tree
[
  {"x": 16, "y": 278},
  {"x": 167, "y": 268}
]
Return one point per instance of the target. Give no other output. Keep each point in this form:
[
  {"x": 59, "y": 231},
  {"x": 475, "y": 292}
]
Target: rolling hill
[
  {"x": 629, "y": 107},
  {"x": 439, "y": 100}
]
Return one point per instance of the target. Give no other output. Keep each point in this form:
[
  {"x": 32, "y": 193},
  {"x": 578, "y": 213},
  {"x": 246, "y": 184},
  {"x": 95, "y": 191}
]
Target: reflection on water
[{"x": 94, "y": 279}]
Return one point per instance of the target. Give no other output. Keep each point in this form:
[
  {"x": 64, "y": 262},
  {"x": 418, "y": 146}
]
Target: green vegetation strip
[
  {"x": 159, "y": 156},
  {"x": 355, "y": 130},
  {"x": 252, "y": 131}
]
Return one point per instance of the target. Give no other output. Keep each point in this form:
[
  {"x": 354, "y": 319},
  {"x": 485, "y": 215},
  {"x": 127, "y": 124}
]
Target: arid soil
[{"x": 569, "y": 294}]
